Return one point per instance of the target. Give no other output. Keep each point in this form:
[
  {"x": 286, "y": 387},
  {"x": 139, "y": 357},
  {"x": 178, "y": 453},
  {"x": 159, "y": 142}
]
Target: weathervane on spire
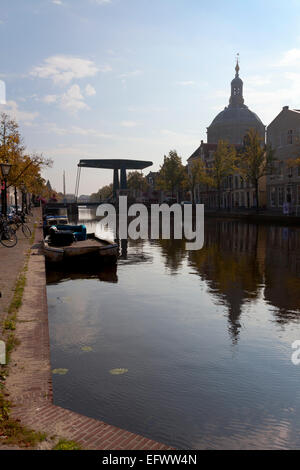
[{"x": 237, "y": 67}]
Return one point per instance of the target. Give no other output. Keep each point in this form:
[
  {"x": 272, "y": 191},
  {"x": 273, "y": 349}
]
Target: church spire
[
  {"x": 236, "y": 98},
  {"x": 237, "y": 67}
]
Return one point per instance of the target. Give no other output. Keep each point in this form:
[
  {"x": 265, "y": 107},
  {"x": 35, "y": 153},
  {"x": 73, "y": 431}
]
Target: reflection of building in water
[
  {"x": 282, "y": 272},
  {"x": 232, "y": 264}
]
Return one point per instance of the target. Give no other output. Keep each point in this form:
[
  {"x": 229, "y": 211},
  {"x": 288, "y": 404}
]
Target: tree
[
  {"x": 104, "y": 193},
  {"x": 197, "y": 174},
  {"x": 136, "y": 181},
  {"x": 25, "y": 168},
  {"x": 256, "y": 160},
  {"x": 172, "y": 174},
  {"x": 224, "y": 164}
]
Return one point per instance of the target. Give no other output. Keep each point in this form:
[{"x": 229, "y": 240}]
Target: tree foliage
[
  {"x": 172, "y": 174},
  {"x": 136, "y": 181},
  {"x": 104, "y": 193},
  {"x": 197, "y": 174},
  {"x": 256, "y": 160},
  {"x": 26, "y": 169},
  {"x": 224, "y": 164}
]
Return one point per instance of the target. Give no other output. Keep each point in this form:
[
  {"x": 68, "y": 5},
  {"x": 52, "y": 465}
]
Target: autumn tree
[
  {"x": 224, "y": 164},
  {"x": 256, "y": 160},
  {"x": 197, "y": 174},
  {"x": 26, "y": 169},
  {"x": 172, "y": 174},
  {"x": 136, "y": 181}
]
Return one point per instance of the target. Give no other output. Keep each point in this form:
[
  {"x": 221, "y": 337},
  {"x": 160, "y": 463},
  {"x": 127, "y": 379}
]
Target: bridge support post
[
  {"x": 116, "y": 185},
  {"x": 123, "y": 178}
]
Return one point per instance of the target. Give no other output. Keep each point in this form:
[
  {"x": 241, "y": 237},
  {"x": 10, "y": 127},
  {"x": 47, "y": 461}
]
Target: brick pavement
[
  {"x": 11, "y": 263},
  {"x": 30, "y": 380}
]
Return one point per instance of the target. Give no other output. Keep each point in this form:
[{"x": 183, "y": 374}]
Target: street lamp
[{"x": 5, "y": 168}]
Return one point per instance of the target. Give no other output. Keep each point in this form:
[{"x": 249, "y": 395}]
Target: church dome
[{"x": 233, "y": 123}]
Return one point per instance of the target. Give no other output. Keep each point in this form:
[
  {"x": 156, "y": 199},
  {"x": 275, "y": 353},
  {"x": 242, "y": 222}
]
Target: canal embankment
[
  {"x": 261, "y": 217},
  {"x": 29, "y": 381}
]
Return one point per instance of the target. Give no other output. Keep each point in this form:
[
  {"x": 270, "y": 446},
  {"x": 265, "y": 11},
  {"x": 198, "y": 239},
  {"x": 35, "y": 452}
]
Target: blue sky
[{"x": 136, "y": 78}]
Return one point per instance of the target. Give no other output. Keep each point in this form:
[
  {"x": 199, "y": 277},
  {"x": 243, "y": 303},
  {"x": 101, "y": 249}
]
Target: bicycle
[
  {"x": 8, "y": 237},
  {"x": 19, "y": 221}
]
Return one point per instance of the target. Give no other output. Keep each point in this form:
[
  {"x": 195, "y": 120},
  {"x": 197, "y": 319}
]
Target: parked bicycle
[
  {"x": 18, "y": 220},
  {"x": 8, "y": 236}
]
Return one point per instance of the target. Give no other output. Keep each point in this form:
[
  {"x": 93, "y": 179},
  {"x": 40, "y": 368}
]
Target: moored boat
[{"x": 70, "y": 242}]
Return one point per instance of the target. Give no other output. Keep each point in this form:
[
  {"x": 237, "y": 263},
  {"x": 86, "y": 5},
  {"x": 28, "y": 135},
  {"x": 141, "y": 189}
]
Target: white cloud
[
  {"x": 186, "y": 83},
  {"x": 76, "y": 130},
  {"x": 101, "y": 2},
  {"x": 57, "y": 2},
  {"x": 50, "y": 99},
  {"x": 128, "y": 124},
  {"x": 290, "y": 58},
  {"x": 90, "y": 90},
  {"x": 134, "y": 73},
  {"x": 73, "y": 100},
  {"x": 63, "y": 69},
  {"x": 258, "y": 80},
  {"x": 180, "y": 139},
  {"x": 13, "y": 110}
]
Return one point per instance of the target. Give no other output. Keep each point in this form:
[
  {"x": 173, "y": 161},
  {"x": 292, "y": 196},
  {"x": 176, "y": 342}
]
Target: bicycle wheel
[
  {"x": 26, "y": 230},
  {"x": 8, "y": 237}
]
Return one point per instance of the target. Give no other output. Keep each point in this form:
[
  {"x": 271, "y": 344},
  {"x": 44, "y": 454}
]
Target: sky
[{"x": 137, "y": 78}]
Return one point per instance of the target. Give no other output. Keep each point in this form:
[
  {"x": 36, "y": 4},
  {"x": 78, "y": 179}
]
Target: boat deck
[{"x": 89, "y": 243}]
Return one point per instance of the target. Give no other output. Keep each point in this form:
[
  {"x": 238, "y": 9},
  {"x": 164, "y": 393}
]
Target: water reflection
[
  {"x": 57, "y": 274},
  {"x": 205, "y": 335}
]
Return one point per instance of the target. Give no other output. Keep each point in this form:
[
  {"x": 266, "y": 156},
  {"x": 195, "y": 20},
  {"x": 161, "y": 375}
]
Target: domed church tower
[{"x": 236, "y": 119}]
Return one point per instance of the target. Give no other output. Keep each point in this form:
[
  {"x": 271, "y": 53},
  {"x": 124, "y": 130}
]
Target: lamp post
[
  {"x": 5, "y": 168},
  {"x": 23, "y": 189}
]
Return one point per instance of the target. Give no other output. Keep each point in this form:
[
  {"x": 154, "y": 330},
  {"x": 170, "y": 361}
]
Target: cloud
[
  {"x": 258, "y": 80},
  {"x": 13, "y": 110},
  {"x": 57, "y": 2},
  {"x": 63, "y": 69},
  {"x": 128, "y": 124},
  {"x": 101, "y": 2},
  {"x": 186, "y": 83},
  {"x": 50, "y": 99},
  {"x": 290, "y": 58},
  {"x": 90, "y": 90},
  {"x": 189, "y": 138},
  {"x": 134, "y": 73},
  {"x": 73, "y": 100},
  {"x": 76, "y": 130}
]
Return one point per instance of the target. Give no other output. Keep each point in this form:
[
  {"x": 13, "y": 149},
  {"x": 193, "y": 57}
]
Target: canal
[{"x": 192, "y": 349}]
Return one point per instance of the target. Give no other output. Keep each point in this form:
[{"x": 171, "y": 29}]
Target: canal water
[{"x": 192, "y": 349}]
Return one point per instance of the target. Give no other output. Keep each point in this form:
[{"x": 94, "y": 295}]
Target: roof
[
  {"x": 115, "y": 164},
  {"x": 233, "y": 114},
  {"x": 206, "y": 148}
]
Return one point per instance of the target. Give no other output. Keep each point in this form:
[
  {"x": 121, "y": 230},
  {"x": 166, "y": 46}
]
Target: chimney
[{"x": 285, "y": 108}]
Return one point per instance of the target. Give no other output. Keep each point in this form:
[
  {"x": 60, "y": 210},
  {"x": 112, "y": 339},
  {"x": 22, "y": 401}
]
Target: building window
[
  {"x": 242, "y": 199},
  {"x": 298, "y": 198},
  {"x": 280, "y": 196},
  {"x": 273, "y": 197},
  {"x": 290, "y": 137},
  {"x": 280, "y": 169}
]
